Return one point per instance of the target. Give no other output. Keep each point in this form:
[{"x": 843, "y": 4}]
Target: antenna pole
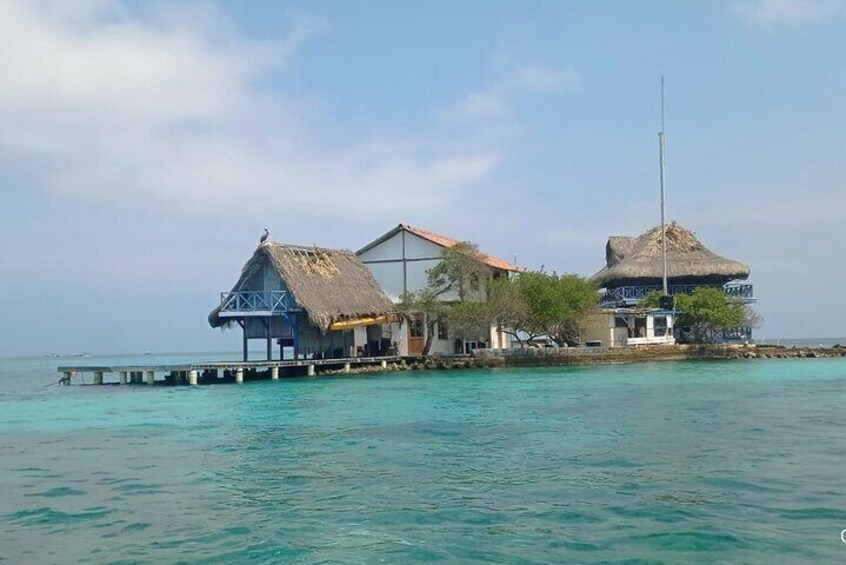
[{"x": 661, "y": 165}]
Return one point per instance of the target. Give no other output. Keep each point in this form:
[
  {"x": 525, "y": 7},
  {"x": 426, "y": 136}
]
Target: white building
[
  {"x": 400, "y": 260},
  {"x": 620, "y": 327}
]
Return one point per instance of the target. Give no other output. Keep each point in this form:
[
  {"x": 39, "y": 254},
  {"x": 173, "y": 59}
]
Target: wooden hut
[
  {"x": 634, "y": 267},
  {"x": 319, "y": 302}
]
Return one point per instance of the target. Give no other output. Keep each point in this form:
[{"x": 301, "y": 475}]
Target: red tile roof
[{"x": 445, "y": 241}]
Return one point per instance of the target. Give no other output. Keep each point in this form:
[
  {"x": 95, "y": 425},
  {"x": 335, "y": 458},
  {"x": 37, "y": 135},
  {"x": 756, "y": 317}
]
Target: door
[{"x": 416, "y": 339}]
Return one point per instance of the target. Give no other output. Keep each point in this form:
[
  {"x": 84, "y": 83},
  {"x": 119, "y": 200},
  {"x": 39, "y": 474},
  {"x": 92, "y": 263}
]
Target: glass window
[{"x": 415, "y": 328}]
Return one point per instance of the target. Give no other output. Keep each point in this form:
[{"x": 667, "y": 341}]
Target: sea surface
[{"x": 675, "y": 462}]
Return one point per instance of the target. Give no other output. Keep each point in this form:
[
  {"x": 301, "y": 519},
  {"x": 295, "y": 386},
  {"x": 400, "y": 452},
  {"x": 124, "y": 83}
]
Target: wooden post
[
  {"x": 269, "y": 341},
  {"x": 193, "y": 377},
  {"x": 274, "y": 373},
  {"x": 246, "y": 356},
  {"x": 311, "y": 370},
  {"x": 239, "y": 375},
  {"x": 123, "y": 380},
  {"x": 151, "y": 377},
  {"x": 98, "y": 377}
]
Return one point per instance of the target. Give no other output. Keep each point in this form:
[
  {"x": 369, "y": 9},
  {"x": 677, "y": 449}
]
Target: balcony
[
  {"x": 254, "y": 303},
  {"x": 632, "y": 295}
]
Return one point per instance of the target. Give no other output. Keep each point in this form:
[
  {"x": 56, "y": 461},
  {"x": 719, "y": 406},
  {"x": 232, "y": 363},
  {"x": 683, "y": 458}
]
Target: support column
[
  {"x": 193, "y": 378},
  {"x": 269, "y": 340},
  {"x": 246, "y": 356},
  {"x": 98, "y": 377},
  {"x": 274, "y": 373},
  {"x": 384, "y": 364},
  {"x": 310, "y": 370},
  {"x": 66, "y": 377},
  {"x": 123, "y": 380},
  {"x": 239, "y": 376},
  {"x": 151, "y": 377},
  {"x": 346, "y": 367}
]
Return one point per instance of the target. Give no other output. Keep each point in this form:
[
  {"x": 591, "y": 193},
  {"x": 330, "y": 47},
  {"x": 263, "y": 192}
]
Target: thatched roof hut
[
  {"x": 328, "y": 285},
  {"x": 638, "y": 261}
]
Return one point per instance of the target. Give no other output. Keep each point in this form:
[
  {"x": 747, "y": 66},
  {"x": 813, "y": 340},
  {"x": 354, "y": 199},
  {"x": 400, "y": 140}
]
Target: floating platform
[{"x": 219, "y": 371}]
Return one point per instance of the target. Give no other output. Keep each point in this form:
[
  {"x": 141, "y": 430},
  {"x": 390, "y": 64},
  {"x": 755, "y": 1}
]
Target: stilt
[
  {"x": 239, "y": 376},
  {"x": 123, "y": 380},
  {"x": 98, "y": 377},
  {"x": 311, "y": 370},
  {"x": 193, "y": 377},
  {"x": 269, "y": 341},
  {"x": 66, "y": 378},
  {"x": 346, "y": 367},
  {"x": 384, "y": 364},
  {"x": 246, "y": 355},
  {"x": 151, "y": 377},
  {"x": 274, "y": 373}
]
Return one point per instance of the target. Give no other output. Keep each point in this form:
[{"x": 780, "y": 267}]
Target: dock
[{"x": 194, "y": 374}]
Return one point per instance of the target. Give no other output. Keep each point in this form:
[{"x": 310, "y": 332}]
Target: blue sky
[{"x": 145, "y": 145}]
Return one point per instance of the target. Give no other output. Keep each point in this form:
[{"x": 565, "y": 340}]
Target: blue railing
[
  {"x": 241, "y": 302},
  {"x": 631, "y": 295}
]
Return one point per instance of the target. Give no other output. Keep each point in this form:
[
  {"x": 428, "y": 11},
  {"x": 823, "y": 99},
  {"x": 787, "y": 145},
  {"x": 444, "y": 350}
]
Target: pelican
[{"x": 264, "y": 236}]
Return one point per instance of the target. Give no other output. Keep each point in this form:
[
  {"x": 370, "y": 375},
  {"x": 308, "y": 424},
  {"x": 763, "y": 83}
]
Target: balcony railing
[
  {"x": 254, "y": 303},
  {"x": 631, "y": 295}
]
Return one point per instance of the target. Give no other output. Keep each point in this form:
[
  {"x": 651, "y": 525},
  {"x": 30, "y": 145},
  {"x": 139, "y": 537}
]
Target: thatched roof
[
  {"x": 638, "y": 260},
  {"x": 329, "y": 285}
]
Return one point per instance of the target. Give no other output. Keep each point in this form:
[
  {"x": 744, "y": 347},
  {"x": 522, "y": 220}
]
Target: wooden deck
[{"x": 218, "y": 371}]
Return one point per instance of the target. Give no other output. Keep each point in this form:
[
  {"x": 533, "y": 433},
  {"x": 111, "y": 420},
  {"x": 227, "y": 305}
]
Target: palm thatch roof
[
  {"x": 638, "y": 260},
  {"x": 329, "y": 285}
]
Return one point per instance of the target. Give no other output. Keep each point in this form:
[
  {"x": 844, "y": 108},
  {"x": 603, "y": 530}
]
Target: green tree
[
  {"x": 709, "y": 311},
  {"x": 539, "y": 303},
  {"x": 424, "y": 304},
  {"x": 461, "y": 270}
]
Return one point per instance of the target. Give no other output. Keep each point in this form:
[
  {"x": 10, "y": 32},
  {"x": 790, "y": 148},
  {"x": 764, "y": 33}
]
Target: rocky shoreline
[{"x": 600, "y": 356}]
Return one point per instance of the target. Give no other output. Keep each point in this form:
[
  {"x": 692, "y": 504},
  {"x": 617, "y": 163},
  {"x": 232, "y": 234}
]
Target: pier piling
[
  {"x": 274, "y": 373},
  {"x": 122, "y": 377},
  {"x": 151, "y": 377},
  {"x": 239, "y": 375},
  {"x": 193, "y": 378},
  {"x": 310, "y": 370}
]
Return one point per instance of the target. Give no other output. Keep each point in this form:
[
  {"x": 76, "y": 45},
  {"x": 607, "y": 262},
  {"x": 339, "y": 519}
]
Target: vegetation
[
  {"x": 707, "y": 312},
  {"x": 532, "y": 303}
]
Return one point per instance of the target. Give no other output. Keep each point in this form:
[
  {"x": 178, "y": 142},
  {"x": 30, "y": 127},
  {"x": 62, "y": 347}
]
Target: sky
[{"x": 145, "y": 145}]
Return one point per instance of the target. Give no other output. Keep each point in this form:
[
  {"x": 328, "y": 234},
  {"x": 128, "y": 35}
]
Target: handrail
[
  {"x": 254, "y": 301},
  {"x": 630, "y": 294}
]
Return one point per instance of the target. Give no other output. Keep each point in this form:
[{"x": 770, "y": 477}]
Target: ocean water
[{"x": 682, "y": 462}]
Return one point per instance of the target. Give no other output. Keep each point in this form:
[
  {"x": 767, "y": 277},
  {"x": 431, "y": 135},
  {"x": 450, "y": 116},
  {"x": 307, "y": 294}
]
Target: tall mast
[{"x": 661, "y": 164}]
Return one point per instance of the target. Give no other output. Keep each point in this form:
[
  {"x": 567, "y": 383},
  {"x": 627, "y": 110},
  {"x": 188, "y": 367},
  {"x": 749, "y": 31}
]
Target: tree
[
  {"x": 425, "y": 303},
  {"x": 709, "y": 311},
  {"x": 539, "y": 303},
  {"x": 461, "y": 270}
]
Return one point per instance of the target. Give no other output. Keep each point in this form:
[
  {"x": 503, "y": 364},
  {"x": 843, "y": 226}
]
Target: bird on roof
[{"x": 264, "y": 236}]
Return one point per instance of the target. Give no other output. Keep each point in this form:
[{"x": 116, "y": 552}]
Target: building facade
[{"x": 400, "y": 261}]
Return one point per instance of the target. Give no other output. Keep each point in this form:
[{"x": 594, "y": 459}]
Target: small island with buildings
[{"x": 413, "y": 298}]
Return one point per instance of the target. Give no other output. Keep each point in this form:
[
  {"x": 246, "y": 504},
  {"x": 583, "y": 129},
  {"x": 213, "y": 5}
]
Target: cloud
[
  {"x": 171, "y": 106},
  {"x": 778, "y": 13},
  {"x": 496, "y": 100}
]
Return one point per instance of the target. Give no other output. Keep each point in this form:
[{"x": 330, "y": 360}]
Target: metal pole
[{"x": 661, "y": 163}]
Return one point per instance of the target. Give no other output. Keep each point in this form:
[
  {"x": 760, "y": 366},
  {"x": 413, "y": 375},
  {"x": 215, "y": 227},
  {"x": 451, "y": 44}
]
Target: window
[
  {"x": 660, "y": 326},
  {"x": 415, "y": 328},
  {"x": 443, "y": 328}
]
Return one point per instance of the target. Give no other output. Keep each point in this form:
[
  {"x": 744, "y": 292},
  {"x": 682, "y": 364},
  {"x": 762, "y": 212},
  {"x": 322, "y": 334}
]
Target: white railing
[{"x": 272, "y": 301}]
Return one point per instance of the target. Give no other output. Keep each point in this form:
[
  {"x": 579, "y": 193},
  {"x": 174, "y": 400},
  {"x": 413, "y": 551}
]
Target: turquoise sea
[{"x": 683, "y": 462}]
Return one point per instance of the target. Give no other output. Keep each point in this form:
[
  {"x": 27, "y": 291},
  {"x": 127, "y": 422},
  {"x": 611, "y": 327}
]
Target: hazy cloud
[
  {"x": 496, "y": 99},
  {"x": 168, "y": 106},
  {"x": 776, "y": 13}
]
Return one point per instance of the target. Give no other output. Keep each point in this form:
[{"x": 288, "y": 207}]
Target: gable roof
[
  {"x": 330, "y": 285},
  {"x": 442, "y": 241},
  {"x": 633, "y": 258}
]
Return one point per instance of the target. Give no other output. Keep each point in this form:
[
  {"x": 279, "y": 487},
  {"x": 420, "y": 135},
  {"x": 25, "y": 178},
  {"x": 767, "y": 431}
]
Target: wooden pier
[{"x": 220, "y": 371}]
